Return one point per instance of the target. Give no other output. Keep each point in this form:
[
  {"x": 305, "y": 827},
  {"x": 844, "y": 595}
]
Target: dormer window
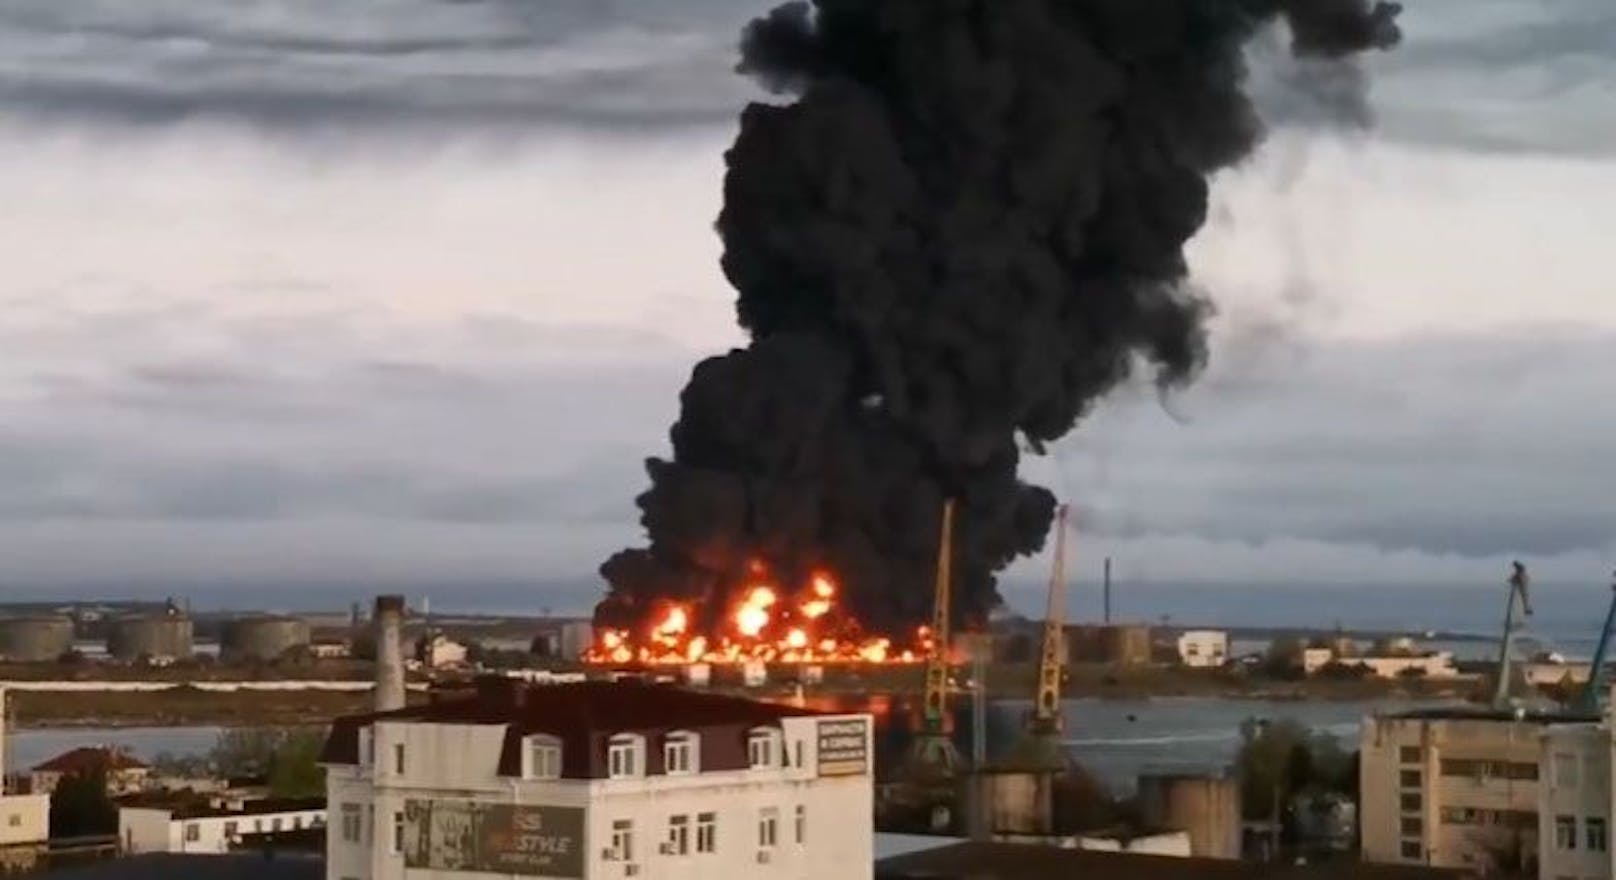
[
  {"x": 623, "y": 757},
  {"x": 761, "y": 748},
  {"x": 543, "y": 758},
  {"x": 679, "y": 754}
]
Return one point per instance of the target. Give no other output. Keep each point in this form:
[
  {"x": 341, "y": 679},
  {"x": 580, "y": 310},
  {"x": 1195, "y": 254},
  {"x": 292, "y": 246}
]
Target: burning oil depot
[{"x": 599, "y": 780}]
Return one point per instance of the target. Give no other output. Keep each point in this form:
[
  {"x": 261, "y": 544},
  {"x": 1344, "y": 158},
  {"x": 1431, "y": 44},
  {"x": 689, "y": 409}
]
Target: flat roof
[
  {"x": 1488, "y": 713},
  {"x": 168, "y": 866},
  {"x": 1016, "y": 861}
]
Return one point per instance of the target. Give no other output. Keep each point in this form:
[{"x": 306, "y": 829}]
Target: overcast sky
[{"x": 403, "y": 291}]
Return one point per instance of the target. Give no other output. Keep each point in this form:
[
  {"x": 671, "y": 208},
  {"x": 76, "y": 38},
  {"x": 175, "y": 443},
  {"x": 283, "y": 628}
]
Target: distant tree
[
  {"x": 1412, "y": 672},
  {"x": 80, "y": 806},
  {"x": 289, "y": 753},
  {"x": 1286, "y": 758},
  {"x": 1338, "y": 671},
  {"x": 294, "y": 770},
  {"x": 181, "y": 766},
  {"x": 71, "y": 657}
]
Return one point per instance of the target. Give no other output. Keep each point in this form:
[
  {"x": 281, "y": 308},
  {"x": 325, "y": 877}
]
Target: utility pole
[{"x": 1107, "y": 589}]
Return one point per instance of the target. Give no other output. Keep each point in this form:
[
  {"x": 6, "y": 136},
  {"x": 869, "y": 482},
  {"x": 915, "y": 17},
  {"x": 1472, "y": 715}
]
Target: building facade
[
  {"x": 1574, "y": 803},
  {"x": 599, "y": 780},
  {"x": 125, "y": 774},
  {"x": 1203, "y": 648},
  {"x": 1456, "y": 788},
  {"x": 152, "y": 829}
]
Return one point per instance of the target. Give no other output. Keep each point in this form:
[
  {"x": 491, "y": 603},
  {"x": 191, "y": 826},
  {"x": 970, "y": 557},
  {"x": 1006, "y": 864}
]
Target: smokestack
[
  {"x": 1108, "y": 589},
  {"x": 389, "y": 624}
]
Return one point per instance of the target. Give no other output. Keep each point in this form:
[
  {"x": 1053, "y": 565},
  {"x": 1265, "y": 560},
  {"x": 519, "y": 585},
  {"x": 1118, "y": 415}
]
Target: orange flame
[{"x": 806, "y": 627}]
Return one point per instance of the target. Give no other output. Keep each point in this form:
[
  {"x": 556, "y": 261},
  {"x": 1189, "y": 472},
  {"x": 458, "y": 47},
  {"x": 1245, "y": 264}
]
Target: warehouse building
[
  {"x": 204, "y": 828},
  {"x": 599, "y": 780}
]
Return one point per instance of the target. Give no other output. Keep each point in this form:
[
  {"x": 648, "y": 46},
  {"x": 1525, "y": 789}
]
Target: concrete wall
[
  {"x": 144, "y": 830},
  {"x": 458, "y": 763},
  {"x": 1576, "y": 785},
  {"x": 1206, "y": 808},
  {"x": 35, "y": 639}
]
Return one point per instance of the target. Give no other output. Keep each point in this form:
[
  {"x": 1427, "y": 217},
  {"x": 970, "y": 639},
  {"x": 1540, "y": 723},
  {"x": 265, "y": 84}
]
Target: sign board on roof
[{"x": 844, "y": 747}]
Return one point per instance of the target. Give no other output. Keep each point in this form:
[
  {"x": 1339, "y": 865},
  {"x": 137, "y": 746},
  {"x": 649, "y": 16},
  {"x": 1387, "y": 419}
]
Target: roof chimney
[{"x": 389, "y": 623}]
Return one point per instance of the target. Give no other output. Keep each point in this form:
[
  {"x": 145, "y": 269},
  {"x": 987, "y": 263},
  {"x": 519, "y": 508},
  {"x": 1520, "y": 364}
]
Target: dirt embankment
[{"x": 183, "y": 706}]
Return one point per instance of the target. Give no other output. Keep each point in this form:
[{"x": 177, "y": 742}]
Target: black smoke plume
[{"x": 965, "y": 229}]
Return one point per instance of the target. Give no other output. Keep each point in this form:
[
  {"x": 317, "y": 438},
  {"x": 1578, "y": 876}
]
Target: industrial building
[
  {"x": 1010, "y": 861},
  {"x": 39, "y": 639},
  {"x": 1456, "y": 788},
  {"x": 157, "y": 638},
  {"x": 262, "y": 639},
  {"x": 1203, "y": 648},
  {"x": 599, "y": 780},
  {"x": 1205, "y": 806}
]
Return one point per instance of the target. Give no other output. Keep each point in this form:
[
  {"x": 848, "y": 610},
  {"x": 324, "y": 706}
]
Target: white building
[
  {"x": 1574, "y": 803},
  {"x": 24, "y": 818},
  {"x": 599, "y": 780},
  {"x": 206, "y": 829},
  {"x": 1203, "y": 648}
]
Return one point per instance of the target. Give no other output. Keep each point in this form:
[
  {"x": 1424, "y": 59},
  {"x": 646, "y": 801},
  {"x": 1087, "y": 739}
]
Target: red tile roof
[
  {"x": 584, "y": 715},
  {"x": 88, "y": 758}
]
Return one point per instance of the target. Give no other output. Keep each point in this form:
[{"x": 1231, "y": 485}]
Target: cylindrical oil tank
[
  {"x": 1206, "y": 806},
  {"x": 35, "y": 639},
  {"x": 157, "y": 637},
  {"x": 262, "y": 639}
]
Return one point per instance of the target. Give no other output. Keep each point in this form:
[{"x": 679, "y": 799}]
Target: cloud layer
[{"x": 403, "y": 291}]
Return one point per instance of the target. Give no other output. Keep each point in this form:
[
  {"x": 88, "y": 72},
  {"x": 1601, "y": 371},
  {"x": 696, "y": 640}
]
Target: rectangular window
[
  {"x": 193, "y": 832},
  {"x": 398, "y": 759},
  {"x": 1411, "y": 849},
  {"x": 622, "y": 840},
  {"x": 1409, "y": 778},
  {"x": 1410, "y": 801},
  {"x": 398, "y": 832},
  {"x": 1565, "y": 832},
  {"x": 275, "y": 824},
  {"x": 802, "y": 823},
  {"x": 796, "y": 748},
  {"x": 1409, "y": 754},
  {"x": 676, "y": 757},
  {"x": 678, "y": 835},
  {"x": 768, "y": 827},
  {"x": 1462, "y": 767},
  {"x": 544, "y": 761},
  {"x": 1565, "y": 770},
  {"x": 1595, "y": 837},
  {"x": 706, "y": 832},
  {"x": 760, "y": 750},
  {"x": 370, "y": 822},
  {"x": 14, "y": 820},
  {"x": 1412, "y": 826},
  {"x": 258, "y": 825},
  {"x": 297, "y": 823},
  {"x": 620, "y": 760},
  {"x": 230, "y": 830},
  {"x": 351, "y": 823}
]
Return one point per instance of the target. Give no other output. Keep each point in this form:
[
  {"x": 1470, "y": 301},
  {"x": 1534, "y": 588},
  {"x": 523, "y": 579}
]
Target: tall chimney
[{"x": 389, "y": 624}]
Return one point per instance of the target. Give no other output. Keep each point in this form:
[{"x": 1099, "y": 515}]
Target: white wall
[
  {"x": 1203, "y": 648},
  {"x": 459, "y": 762},
  {"x": 142, "y": 830},
  {"x": 24, "y": 818}
]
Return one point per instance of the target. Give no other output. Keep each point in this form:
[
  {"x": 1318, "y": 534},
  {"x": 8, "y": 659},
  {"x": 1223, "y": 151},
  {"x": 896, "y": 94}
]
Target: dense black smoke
[{"x": 966, "y": 228}]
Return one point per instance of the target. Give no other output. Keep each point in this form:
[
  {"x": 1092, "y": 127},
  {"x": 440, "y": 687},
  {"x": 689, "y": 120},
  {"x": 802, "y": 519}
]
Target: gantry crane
[
  {"x": 1518, "y": 582},
  {"x": 1592, "y": 692},
  {"x": 933, "y": 747}
]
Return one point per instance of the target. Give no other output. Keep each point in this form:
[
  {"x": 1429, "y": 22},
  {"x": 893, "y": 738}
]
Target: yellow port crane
[
  {"x": 933, "y": 749},
  {"x": 1046, "y": 710}
]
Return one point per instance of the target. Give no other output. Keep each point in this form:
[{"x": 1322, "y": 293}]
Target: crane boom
[
  {"x": 1518, "y": 581},
  {"x": 936, "y": 709},
  {"x": 1046, "y": 709},
  {"x": 1588, "y": 698}
]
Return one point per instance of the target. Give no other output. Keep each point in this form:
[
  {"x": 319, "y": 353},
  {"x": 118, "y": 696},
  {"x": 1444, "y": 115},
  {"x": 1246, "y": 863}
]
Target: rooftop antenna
[{"x": 1518, "y": 583}]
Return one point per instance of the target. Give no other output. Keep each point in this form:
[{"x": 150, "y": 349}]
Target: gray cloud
[{"x": 1472, "y": 74}]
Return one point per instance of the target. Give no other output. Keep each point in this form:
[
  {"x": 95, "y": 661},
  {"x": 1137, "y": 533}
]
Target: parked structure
[
  {"x": 125, "y": 773},
  {"x": 1206, "y": 807},
  {"x": 1383, "y": 662},
  {"x": 599, "y": 780},
  {"x": 201, "y": 828},
  {"x": 1115, "y": 644},
  {"x": 438, "y": 651},
  {"x": 1203, "y": 648},
  {"x": 1455, "y": 788},
  {"x": 42, "y": 639}
]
